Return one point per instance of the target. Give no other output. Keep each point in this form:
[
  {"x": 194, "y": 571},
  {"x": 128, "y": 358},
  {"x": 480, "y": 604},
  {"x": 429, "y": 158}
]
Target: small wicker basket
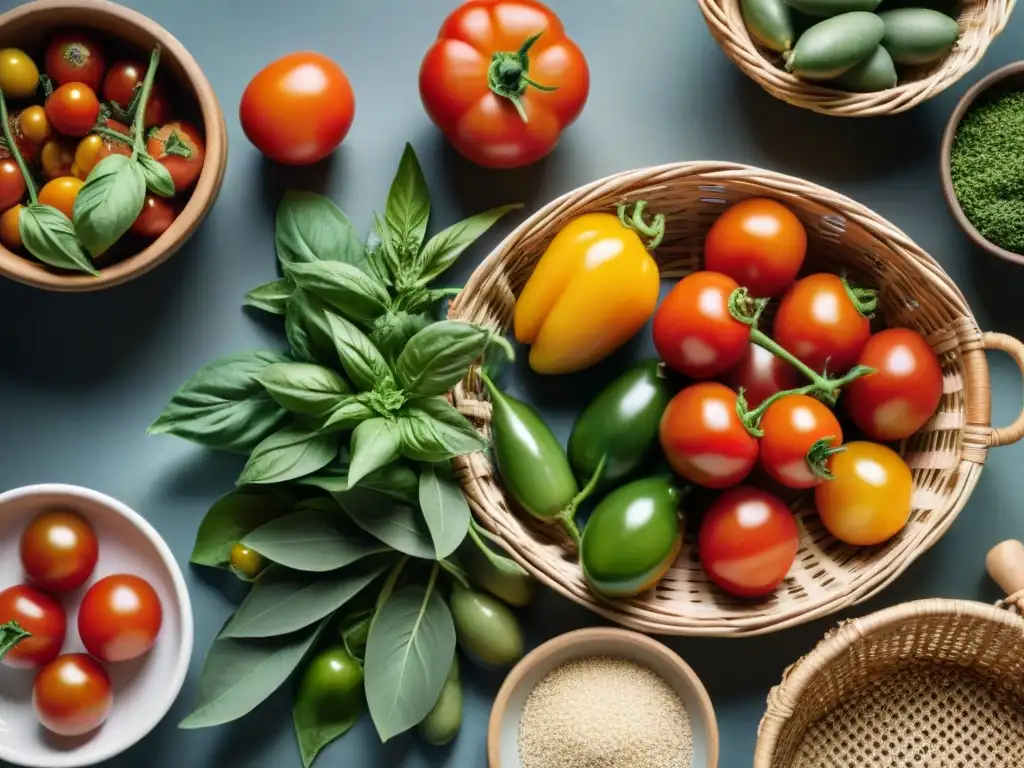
[
  {"x": 946, "y": 456},
  {"x": 980, "y": 21}
]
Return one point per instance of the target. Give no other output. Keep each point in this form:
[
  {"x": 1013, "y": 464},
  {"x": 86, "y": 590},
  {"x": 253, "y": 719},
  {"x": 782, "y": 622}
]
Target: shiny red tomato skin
[
  {"x": 298, "y": 109},
  {"x": 72, "y": 695},
  {"x": 483, "y": 126},
  {"x": 748, "y": 541},
  {"x": 119, "y": 86},
  {"x": 12, "y": 184},
  {"x": 156, "y": 217},
  {"x": 184, "y": 170},
  {"x": 38, "y": 614},
  {"x": 760, "y": 374},
  {"x": 693, "y": 330},
  {"x": 74, "y": 56},
  {"x": 73, "y": 109},
  {"x": 792, "y": 425},
  {"x": 903, "y": 393},
  {"x": 119, "y": 618},
  {"x": 59, "y": 550},
  {"x": 703, "y": 438}
]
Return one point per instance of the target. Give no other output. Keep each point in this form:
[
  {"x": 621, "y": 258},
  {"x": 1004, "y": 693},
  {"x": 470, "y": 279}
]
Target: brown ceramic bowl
[
  {"x": 1008, "y": 78},
  {"x": 27, "y": 27}
]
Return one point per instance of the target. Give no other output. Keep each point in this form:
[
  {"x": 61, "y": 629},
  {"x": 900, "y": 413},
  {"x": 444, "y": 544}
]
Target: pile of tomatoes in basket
[{"x": 119, "y": 618}]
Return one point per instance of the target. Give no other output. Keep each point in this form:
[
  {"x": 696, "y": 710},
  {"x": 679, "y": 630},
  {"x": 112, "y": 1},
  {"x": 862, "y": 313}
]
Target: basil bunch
[{"x": 348, "y": 437}]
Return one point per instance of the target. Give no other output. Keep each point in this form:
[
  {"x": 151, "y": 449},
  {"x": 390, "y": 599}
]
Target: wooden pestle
[{"x": 1005, "y": 564}]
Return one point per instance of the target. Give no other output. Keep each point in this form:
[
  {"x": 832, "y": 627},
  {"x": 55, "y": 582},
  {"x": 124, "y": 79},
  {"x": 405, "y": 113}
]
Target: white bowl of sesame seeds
[{"x": 603, "y": 696}]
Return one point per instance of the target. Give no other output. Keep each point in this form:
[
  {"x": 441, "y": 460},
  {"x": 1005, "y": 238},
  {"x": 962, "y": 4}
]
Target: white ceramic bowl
[
  {"x": 503, "y": 731},
  {"x": 145, "y": 688}
]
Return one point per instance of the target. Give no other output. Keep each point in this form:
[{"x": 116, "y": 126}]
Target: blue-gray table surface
[{"x": 81, "y": 376}]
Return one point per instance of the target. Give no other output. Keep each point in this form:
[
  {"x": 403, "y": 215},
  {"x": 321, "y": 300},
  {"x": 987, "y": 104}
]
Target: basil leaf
[
  {"x": 223, "y": 406},
  {"x": 316, "y": 726},
  {"x": 271, "y": 297},
  {"x": 158, "y": 178},
  {"x": 398, "y": 525},
  {"x": 408, "y": 655},
  {"x": 375, "y": 443},
  {"x": 345, "y": 288},
  {"x": 309, "y": 334},
  {"x": 446, "y": 246},
  {"x": 311, "y": 227},
  {"x": 238, "y": 675},
  {"x": 432, "y": 430},
  {"x": 348, "y": 413},
  {"x": 109, "y": 202},
  {"x": 397, "y": 480},
  {"x": 392, "y": 331},
  {"x": 311, "y": 540},
  {"x": 439, "y": 357},
  {"x": 298, "y": 449},
  {"x": 375, "y": 256},
  {"x": 230, "y": 518},
  {"x": 387, "y": 255},
  {"x": 365, "y": 366},
  {"x": 283, "y": 601},
  {"x": 304, "y": 388},
  {"x": 49, "y": 236},
  {"x": 444, "y": 508},
  {"x": 408, "y": 207}
]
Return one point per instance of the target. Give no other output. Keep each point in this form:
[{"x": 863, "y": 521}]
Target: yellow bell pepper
[{"x": 592, "y": 289}]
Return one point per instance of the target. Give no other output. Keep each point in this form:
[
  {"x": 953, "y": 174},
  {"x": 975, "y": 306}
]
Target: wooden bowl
[
  {"x": 27, "y": 27},
  {"x": 1008, "y": 78}
]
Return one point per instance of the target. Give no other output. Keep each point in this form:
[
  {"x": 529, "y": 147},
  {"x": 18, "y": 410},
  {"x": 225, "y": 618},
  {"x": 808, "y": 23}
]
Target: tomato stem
[
  {"x": 864, "y": 299},
  {"x": 508, "y": 75},
  {"x": 12, "y": 632},
  {"x": 567, "y": 517},
  {"x": 139, "y": 126},
  {"x": 655, "y": 230},
  {"x": 819, "y": 454},
  {"x": 12, "y": 147},
  {"x": 110, "y": 133}
]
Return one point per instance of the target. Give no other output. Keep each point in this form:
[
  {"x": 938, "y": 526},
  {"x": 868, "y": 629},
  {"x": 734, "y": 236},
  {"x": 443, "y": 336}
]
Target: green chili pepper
[
  {"x": 487, "y": 630},
  {"x": 445, "y": 719}
]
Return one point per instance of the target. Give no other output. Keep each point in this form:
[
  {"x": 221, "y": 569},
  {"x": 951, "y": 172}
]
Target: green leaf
[
  {"x": 400, "y": 526},
  {"x": 309, "y": 335},
  {"x": 11, "y": 634},
  {"x": 365, "y": 366},
  {"x": 397, "y": 479},
  {"x": 296, "y": 450},
  {"x": 439, "y": 357},
  {"x": 283, "y": 601},
  {"x": 227, "y": 522},
  {"x": 49, "y": 236},
  {"x": 304, "y": 388},
  {"x": 346, "y": 289},
  {"x": 455, "y": 569},
  {"x": 408, "y": 656},
  {"x": 238, "y": 675},
  {"x": 311, "y": 540},
  {"x": 432, "y": 430},
  {"x": 408, "y": 207},
  {"x": 158, "y": 178},
  {"x": 271, "y": 297},
  {"x": 375, "y": 443},
  {"x": 444, "y": 508},
  {"x": 446, "y": 246},
  {"x": 223, "y": 406},
  {"x": 392, "y": 331},
  {"x": 311, "y": 227},
  {"x": 322, "y": 719},
  {"x": 348, "y": 413},
  {"x": 375, "y": 256},
  {"x": 109, "y": 202}
]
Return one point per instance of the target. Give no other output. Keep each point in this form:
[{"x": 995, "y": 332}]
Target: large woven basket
[
  {"x": 946, "y": 456},
  {"x": 929, "y": 684},
  {"x": 980, "y": 21}
]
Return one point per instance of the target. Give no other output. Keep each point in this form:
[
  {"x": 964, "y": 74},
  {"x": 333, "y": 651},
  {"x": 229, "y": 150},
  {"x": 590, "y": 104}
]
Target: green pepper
[
  {"x": 486, "y": 629},
  {"x": 497, "y": 574},
  {"x": 329, "y": 701},
  {"x": 620, "y": 426},
  {"x": 632, "y": 538}
]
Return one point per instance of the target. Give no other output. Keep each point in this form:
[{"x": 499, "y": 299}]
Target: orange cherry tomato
[
  {"x": 760, "y": 374},
  {"x": 72, "y": 695},
  {"x": 800, "y": 436},
  {"x": 61, "y": 194},
  {"x": 759, "y": 243},
  {"x": 58, "y": 157},
  {"x": 42, "y": 617},
  {"x": 28, "y": 148},
  {"x": 868, "y": 500},
  {"x": 10, "y": 231},
  {"x": 156, "y": 217},
  {"x": 94, "y": 148},
  {"x": 73, "y": 109},
  {"x": 179, "y": 147},
  {"x": 119, "y": 618},
  {"x": 59, "y": 550},
  {"x": 34, "y": 125},
  {"x": 75, "y": 56},
  {"x": 12, "y": 184}
]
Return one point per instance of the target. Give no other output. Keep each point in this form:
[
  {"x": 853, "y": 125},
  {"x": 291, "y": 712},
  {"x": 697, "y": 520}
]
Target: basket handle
[
  {"x": 1005, "y": 564},
  {"x": 1015, "y": 349}
]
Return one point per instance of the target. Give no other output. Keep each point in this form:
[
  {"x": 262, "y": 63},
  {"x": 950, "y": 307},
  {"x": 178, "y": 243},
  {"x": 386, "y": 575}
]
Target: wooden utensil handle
[{"x": 1005, "y": 563}]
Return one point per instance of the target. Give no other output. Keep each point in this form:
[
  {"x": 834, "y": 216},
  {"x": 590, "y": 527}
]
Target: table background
[{"x": 81, "y": 376}]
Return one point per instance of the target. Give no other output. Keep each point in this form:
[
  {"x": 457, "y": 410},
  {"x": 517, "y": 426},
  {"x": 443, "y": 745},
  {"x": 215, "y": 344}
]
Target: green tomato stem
[
  {"x": 864, "y": 299},
  {"x": 139, "y": 126},
  {"x": 759, "y": 337},
  {"x": 819, "y": 454},
  {"x": 12, "y": 632},
  {"x": 12, "y": 147},
  {"x": 110, "y": 133},
  {"x": 655, "y": 230},
  {"x": 567, "y": 517},
  {"x": 508, "y": 75}
]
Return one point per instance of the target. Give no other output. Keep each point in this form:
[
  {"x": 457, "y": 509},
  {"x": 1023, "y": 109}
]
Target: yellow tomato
[
  {"x": 61, "y": 194},
  {"x": 57, "y": 157},
  {"x": 19, "y": 76},
  {"x": 247, "y": 562},
  {"x": 34, "y": 125},
  {"x": 10, "y": 235},
  {"x": 90, "y": 151},
  {"x": 868, "y": 499}
]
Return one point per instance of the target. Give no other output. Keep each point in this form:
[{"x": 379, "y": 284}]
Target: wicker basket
[
  {"x": 980, "y": 21},
  {"x": 929, "y": 684},
  {"x": 946, "y": 456}
]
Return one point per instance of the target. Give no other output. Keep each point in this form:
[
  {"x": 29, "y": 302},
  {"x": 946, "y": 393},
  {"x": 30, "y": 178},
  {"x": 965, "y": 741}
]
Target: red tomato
[
  {"x": 12, "y": 184},
  {"x": 748, "y": 541},
  {"x": 158, "y": 106},
  {"x": 902, "y": 394},
  {"x": 179, "y": 147},
  {"x": 298, "y": 109},
  {"x": 759, "y": 243},
  {"x": 119, "y": 618},
  {"x": 38, "y": 614},
  {"x": 693, "y": 330},
  {"x": 59, "y": 550},
  {"x": 119, "y": 86},
  {"x": 156, "y": 217},
  {"x": 58, "y": 158},
  {"x": 476, "y": 72},
  {"x": 799, "y": 433},
  {"x": 760, "y": 374},
  {"x": 72, "y": 695},
  {"x": 73, "y": 109},
  {"x": 703, "y": 438},
  {"x": 74, "y": 56},
  {"x": 819, "y": 324}
]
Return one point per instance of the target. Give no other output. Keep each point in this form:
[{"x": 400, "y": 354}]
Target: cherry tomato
[
  {"x": 800, "y": 437},
  {"x": 868, "y": 499},
  {"x": 760, "y": 374},
  {"x": 72, "y": 695},
  {"x": 10, "y": 232},
  {"x": 58, "y": 157},
  {"x": 179, "y": 147},
  {"x": 73, "y": 109},
  {"x": 74, "y": 56},
  {"x": 748, "y": 541},
  {"x": 38, "y": 614},
  {"x": 298, "y": 109},
  {"x": 59, "y": 550},
  {"x": 119, "y": 86},
  {"x": 94, "y": 148},
  {"x": 34, "y": 125},
  {"x": 759, "y": 243},
  {"x": 693, "y": 330},
  {"x": 19, "y": 75},
  {"x": 818, "y": 323},
  {"x": 119, "y": 618},
  {"x": 156, "y": 217},
  {"x": 61, "y": 193},
  {"x": 12, "y": 184},
  {"x": 902, "y": 394},
  {"x": 28, "y": 148},
  {"x": 703, "y": 438},
  {"x": 158, "y": 106}
]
